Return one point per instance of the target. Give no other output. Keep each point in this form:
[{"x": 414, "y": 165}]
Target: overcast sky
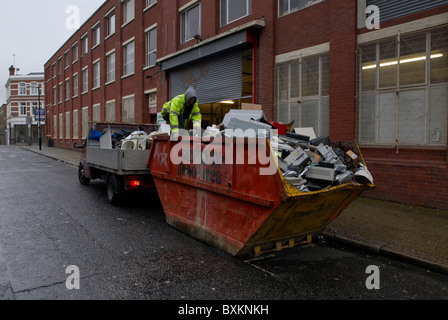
[{"x": 33, "y": 30}]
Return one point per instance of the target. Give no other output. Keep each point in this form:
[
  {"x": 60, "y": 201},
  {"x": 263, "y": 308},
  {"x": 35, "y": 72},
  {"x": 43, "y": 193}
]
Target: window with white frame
[
  {"x": 232, "y": 10},
  {"x": 22, "y": 88},
  {"x": 110, "y": 111},
  {"x": 34, "y": 108},
  {"x": 75, "y": 85},
  {"x": 75, "y": 52},
  {"x": 150, "y": 3},
  {"x": 67, "y": 89},
  {"x": 23, "y": 109},
  {"x": 96, "y": 75},
  {"x": 190, "y": 22},
  {"x": 129, "y": 58},
  {"x": 67, "y": 125},
  {"x": 61, "y": 92},
  {"x": 302, "y": 92},
  {"x": 404, "y": 89},
  {"x": 55, "y": 95},
  {"x": 110, "y": 21},
  {"x": 85, "y": 80},
  {"x": 34, "y": 89},
  {"x": 96, "y": 35},
  {"x": 288, "y": 6},
  {"x": 111, "y": 67},
  {"x": 75, "y": 124},
  {"x": 128, "y": 110},
  {"x": 151, "y": 47},
  {"x": 85, "y": 45},
  {"x": 67, "y": 59},
  {"x": 128, "y": 11}
]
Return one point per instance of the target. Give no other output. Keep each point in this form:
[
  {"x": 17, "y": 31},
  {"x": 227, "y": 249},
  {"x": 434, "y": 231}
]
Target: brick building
[
  {"x": 24, "y": 93},
  {"x": 379, "y": 76}
]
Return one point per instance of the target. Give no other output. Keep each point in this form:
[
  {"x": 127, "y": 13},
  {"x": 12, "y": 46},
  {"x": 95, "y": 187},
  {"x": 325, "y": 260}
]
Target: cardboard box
[
  {"x": 353, "y": 157},
  {"x": 250, "y": 106}
]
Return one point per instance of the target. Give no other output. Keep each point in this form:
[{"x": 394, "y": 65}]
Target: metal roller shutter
[
  {"x": 392, "y": 9},
  {"x": 214, "y": 79}
]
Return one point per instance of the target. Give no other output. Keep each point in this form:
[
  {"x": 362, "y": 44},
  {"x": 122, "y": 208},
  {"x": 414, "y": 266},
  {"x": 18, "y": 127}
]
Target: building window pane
[
  {"x": 22, "y": 89},
  {"x": 190, "y": 23},
  {"x": 111, "y": 67},
  {"x": 34, "y": 89},
  {"x": 302, "y": 92},
  {"x": 128, "y": 57},
  {"x": 110, "y": 24},
  {"x": 393, "y": 112},
  {"x": 439, "y": 56},
  {"x": 413, "y": 59},
  {"x": 96, "y": 36},
  {"x": 67, "y": 89},
  {"x": 151, "y": 47},
  {"x": 23, "y": 109},
  {"x": 85, "y": 45},
  {"x": 96, "y": 75},
  {"x": 232, "y": 10},
  {"x": 388, "y": 63},
  {"x": 128, "y": 10},
  {"x": 287, "y": 6},
  {"x": 85, "y": 80},
  {"x": 150, "y": 3},
  {"x": 75, "y": 53},
  {"x": 75, "y": 85}
]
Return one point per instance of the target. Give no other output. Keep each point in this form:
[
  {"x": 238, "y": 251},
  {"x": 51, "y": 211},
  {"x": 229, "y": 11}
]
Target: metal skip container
[{"x": 231, "y": 194}]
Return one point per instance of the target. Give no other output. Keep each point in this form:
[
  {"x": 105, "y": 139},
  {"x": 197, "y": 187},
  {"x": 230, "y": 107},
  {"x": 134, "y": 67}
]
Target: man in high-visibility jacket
[{"x": 181, "y": 110}]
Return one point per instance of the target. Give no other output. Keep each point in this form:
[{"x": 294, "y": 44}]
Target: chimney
[{"x": 12, "y": 70}]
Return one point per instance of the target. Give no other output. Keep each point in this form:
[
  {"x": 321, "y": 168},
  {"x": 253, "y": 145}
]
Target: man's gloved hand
[{"x": 174, "y": 136}]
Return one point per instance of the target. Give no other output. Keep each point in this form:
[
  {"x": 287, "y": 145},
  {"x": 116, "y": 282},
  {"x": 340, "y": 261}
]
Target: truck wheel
[
  {"x": 111, "y": 187},
  {"x": 81, "y": 177}
]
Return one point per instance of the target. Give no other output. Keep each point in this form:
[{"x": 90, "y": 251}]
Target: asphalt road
[{"x": 49, "y": 222}]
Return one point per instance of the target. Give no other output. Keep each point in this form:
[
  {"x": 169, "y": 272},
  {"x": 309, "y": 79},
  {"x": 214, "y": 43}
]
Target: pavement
[{"x": 414, "y": 235}]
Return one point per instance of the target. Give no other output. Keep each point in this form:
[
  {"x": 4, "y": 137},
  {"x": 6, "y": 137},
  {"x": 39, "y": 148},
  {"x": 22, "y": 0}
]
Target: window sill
[
  {"x": 96, "y": 88},
  {"x": 110, "y": 82},
  {"x": 85, "y": 92},
  {"x": 128, "y": 75},
  {"x": 149, "y": 7},
  {"x": 402, "y": 147},
  {"x": 126, "y": 23},
  {"x": 109, "y": 36},
  {"x": 95, "y": 46},
  {"x": 148, "y": 67}
]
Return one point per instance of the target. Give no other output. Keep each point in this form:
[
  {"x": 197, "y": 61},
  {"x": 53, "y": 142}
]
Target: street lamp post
[{"x": 39, "y": 133}]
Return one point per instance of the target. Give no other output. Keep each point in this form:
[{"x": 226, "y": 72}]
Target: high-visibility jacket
[{"x": 180, "y": 114}]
